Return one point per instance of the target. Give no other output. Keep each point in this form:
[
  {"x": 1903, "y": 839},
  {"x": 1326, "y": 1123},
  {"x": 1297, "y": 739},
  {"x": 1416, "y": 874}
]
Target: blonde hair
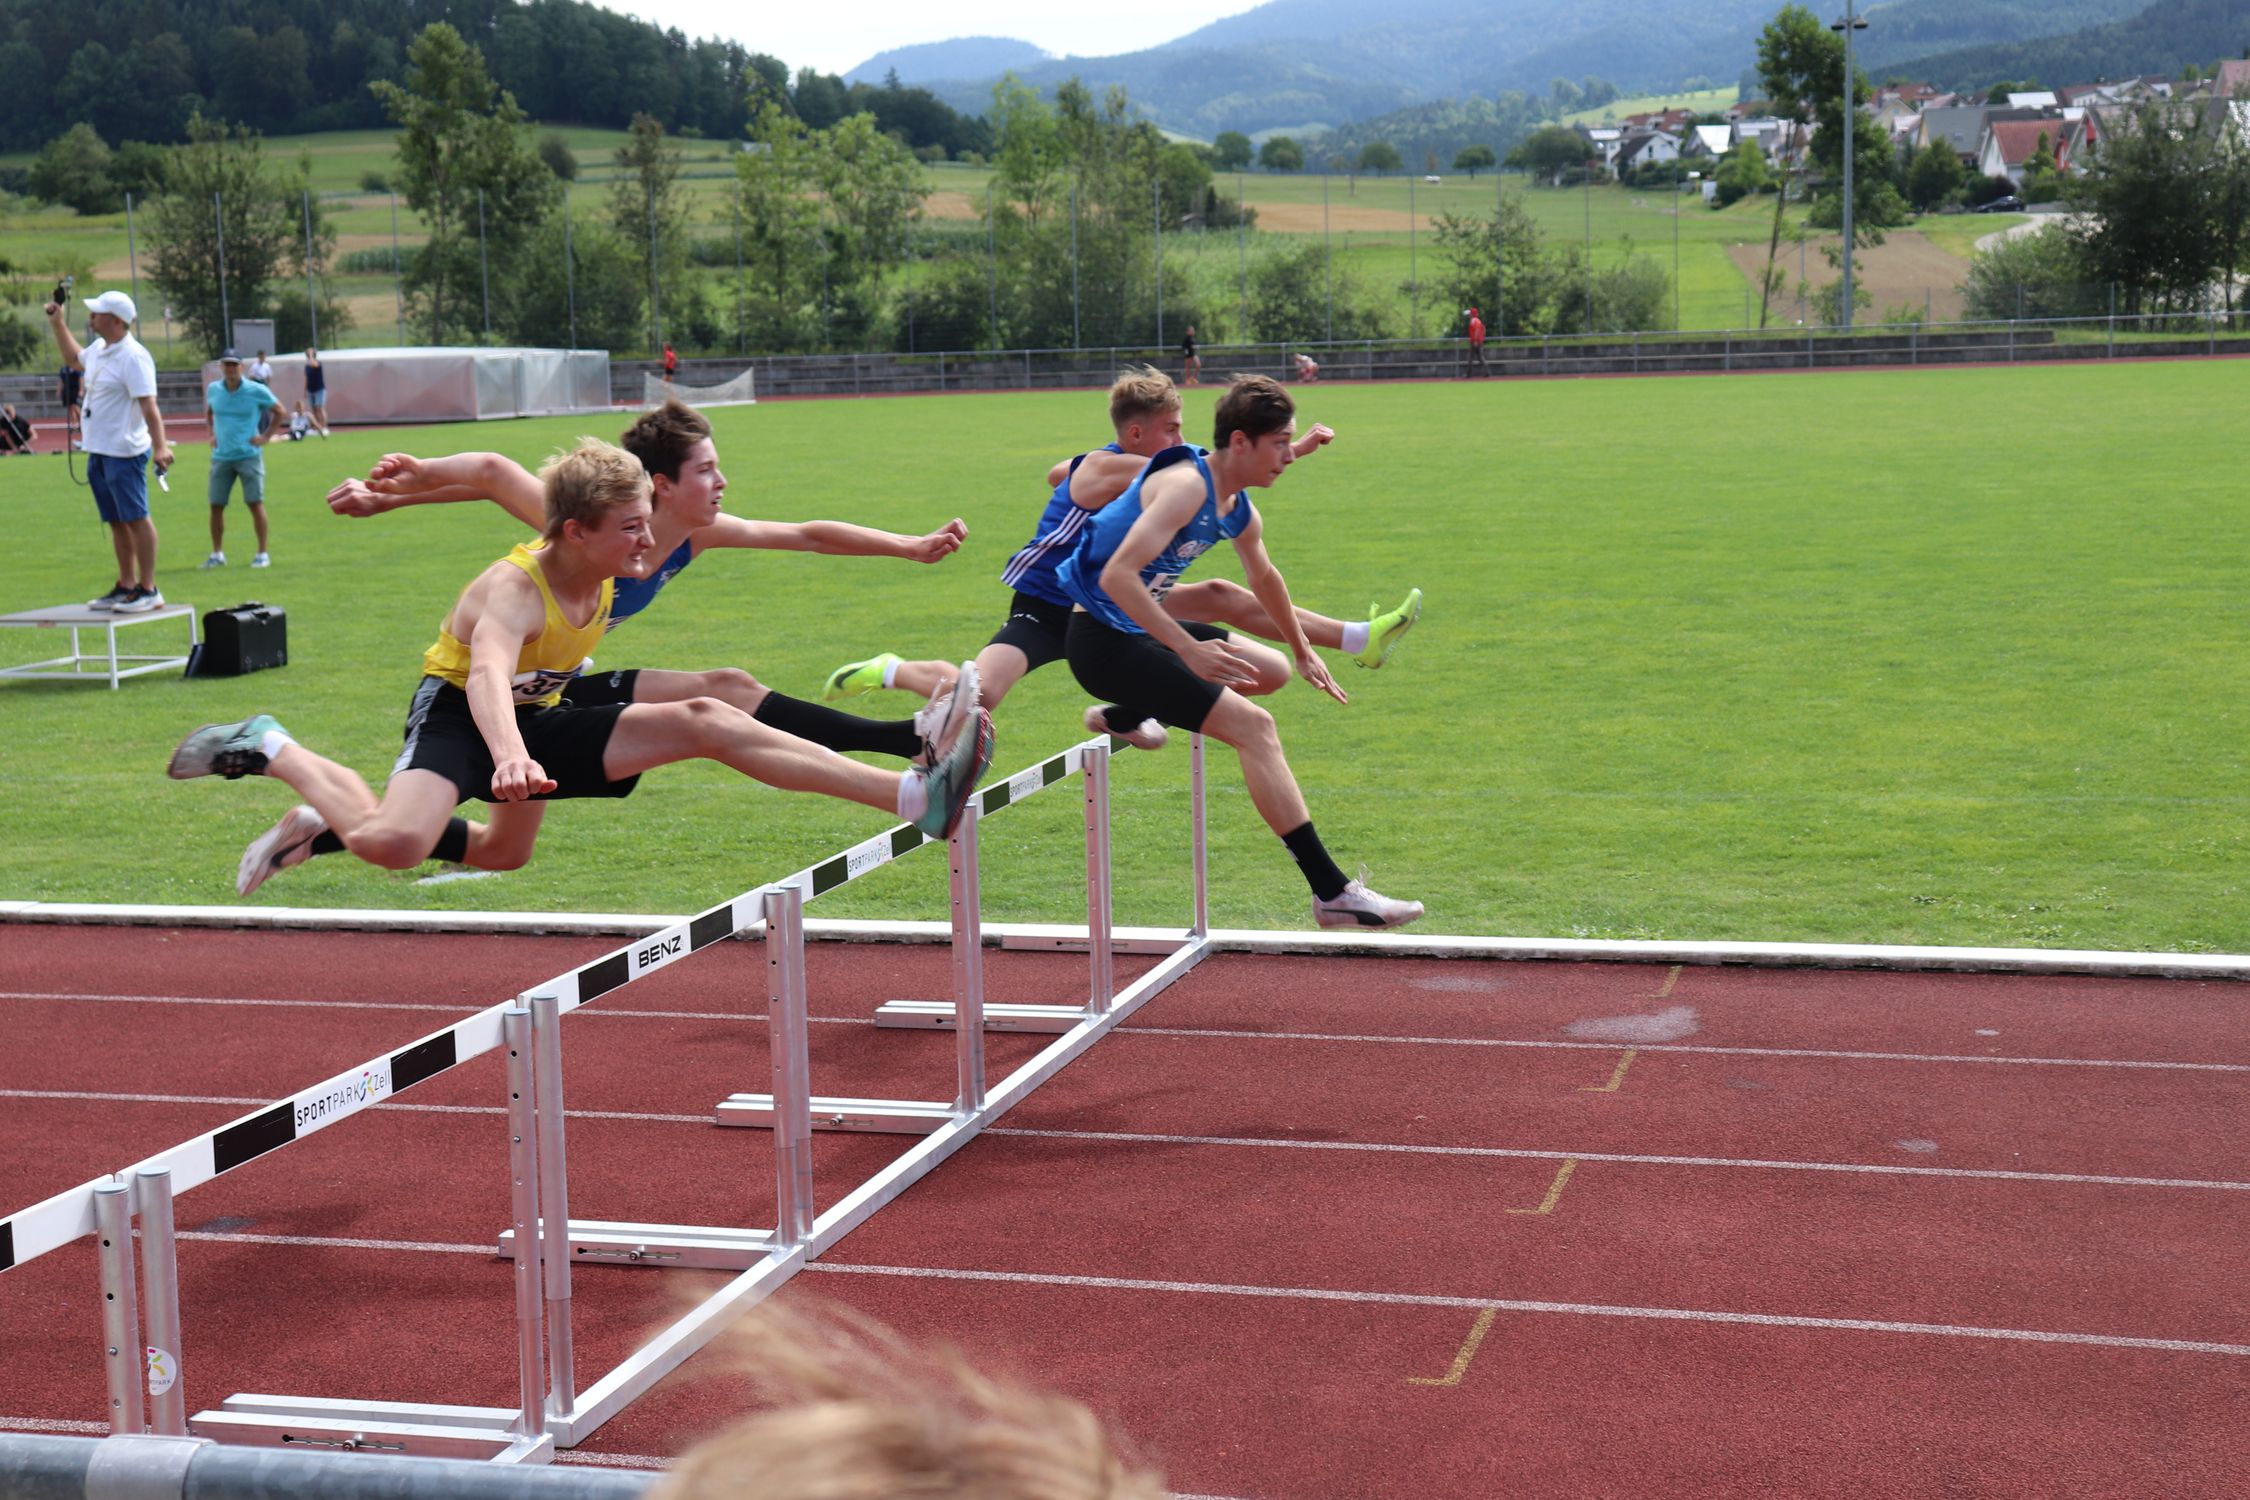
[
  {"x": 588, "y": 482},
  {"x": 1140, "y": 391},
  {"x": 859, "y": 1414}
]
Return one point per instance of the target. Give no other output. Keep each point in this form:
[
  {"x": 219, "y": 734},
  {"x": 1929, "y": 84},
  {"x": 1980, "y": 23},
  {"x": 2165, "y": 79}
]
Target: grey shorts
[{"x": 225, "y": 471}]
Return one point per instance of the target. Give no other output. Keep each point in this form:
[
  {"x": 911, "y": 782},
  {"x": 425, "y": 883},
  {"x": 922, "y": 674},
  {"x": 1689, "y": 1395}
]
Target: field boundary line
[{"x": 1891, "y": 956}]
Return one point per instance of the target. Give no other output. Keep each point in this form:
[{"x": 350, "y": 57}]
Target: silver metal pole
[
  {"x": 226, "y": 320},
  {"x": 655, "y": 309},
  {"x": 792, "y": 1067},
  {"x": 1202, "y": 846},
  {"x": 312, "y": 298},
  {"x": 1241, "y": 262},
  {"x": 554, "y": 1200},
  {"x": 523, "y": 1183},
  {"x": 570, "y": 270},
  {"x": 124, "y": 1357},
  {"x": 1075, "y": 340},
  {"x": 132, "y": 250},
  {"x": 992, "y": 265},
  {"x": 160, "y": 1279},
  {"x": 1413, "y": 282},
  {"x": 1099, "y": 904},
  {"x": 1327, "y": 260},
  {"x": 1156, "y": 214},
  {"x": 484, "y": 264},
  {"x": 398, "y": 285},
  {"x": 968, "y": 963},
  {"x": 1850, "y": 126}
]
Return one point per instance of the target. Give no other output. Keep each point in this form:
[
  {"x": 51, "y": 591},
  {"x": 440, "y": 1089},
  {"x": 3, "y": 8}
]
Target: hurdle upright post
[
  {"x": 792, "y": 1065},
  {"x": 1102, "y": 982},
  {"x": 968, "y": 961},
  {"x": 554, "y": 1199},
  {"x": 523, "y": 1180},
  {"x": 160, "y": 1279},
  {"x": 124, "y": 1359},
  {"x": 1202, "y": 927}
]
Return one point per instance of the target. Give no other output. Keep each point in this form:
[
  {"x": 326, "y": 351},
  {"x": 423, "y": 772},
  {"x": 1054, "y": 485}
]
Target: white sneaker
[
  {"x": 215, "y": 560},
  {"x": 1147, "y": 735},
  {"x": 261, "y": 561},
  {"x": 287, "y": 843},
  {"x": 939, "y": 720},
  {"x": 1358, "y": 906}
]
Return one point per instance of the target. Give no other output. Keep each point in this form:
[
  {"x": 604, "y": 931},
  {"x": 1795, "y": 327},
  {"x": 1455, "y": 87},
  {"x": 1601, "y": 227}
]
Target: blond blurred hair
[
  {"x": 860, "y": 1414},
  {"x": 1140, "y": 391},
  {"x": 588, "y": 482}
]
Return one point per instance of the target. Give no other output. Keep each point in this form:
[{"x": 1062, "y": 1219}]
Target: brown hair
[
  {"x": 859, "y": 1414},
  {"x": 1254, "y": 405},
  {"x": 588, "y": 482},
  {"x": 1140, "y": 391},
  {"x": 660, "y": 439}
]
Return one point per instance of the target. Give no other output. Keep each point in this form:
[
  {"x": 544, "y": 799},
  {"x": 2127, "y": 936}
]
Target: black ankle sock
[
  {"x": 453, "y": 844},
  {"x": 839, "y": 731},
  {"x": 326, "y": 842},
  {"x": 1320, "y": 871}
]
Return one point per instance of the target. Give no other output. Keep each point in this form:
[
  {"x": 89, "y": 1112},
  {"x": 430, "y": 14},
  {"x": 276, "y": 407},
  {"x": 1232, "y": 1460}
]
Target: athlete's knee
[
  {"x": 703, "y": 722},
  {"x": 495, "y": 855},
  {"x": 1244, "y": 725},
  {"x": 733, "y": 686},
  {"x": 391, "y": 848}
]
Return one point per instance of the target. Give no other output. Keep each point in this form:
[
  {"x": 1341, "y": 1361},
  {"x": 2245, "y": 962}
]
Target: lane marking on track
[
  {"x": 1554, "y": 1190},
  {"x": 1616, "y": 1079},
  {"x": 2074, "y": 1179},
  {"x": 335, "y": 1242},
  {"x": 612, "y": 1460},
  {"x": 1218, "y": 1034},
  {"x": 1573, "y": 1309},
  {"x": 1468, "y": 1351},
  {"x": 53, "y": 1424},
  {"x": 1669, "y": 980}
]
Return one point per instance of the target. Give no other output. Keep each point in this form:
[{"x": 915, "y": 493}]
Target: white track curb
[{"x": 1399, "y": 945}]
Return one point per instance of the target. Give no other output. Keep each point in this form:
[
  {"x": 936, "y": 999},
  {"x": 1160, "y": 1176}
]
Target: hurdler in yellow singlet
[{"x": 548, "y": 661}]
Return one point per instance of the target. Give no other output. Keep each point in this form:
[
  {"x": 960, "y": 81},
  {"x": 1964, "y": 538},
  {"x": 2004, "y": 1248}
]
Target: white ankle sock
[
  {"x": 1355, "y": 636},
  {"x": 271, "y": 743},
  {"x": 890, "y": 673},
  {"x": 913, "y": 795}
]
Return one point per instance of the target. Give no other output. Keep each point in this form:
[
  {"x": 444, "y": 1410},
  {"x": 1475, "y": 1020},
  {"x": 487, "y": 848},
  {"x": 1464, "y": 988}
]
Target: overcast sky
[{"x": 841, "y": 34}]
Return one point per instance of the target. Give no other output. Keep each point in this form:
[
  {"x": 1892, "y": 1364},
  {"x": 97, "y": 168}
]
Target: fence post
[
  {"x": 398, "y": 285},
  {"x": 1413, "y": 285},
  {"x": 1075, "y": 338},
  {"x": 312, "y": 298},
  {"x": 484, "y": 264},
  {"x": 1327, "y": 260},
  {"x": 570, "y": 272},
  {"x": 219, "y": 218},
  {"x": 992, "y": 265},
  {"x": 132, "y": 251},
  {"x": 742, "y": 287},
  {"x": 2113, "y": 320},
  {"x": 1241, "y": 263},
  {"x": 1156, "y": 215}
]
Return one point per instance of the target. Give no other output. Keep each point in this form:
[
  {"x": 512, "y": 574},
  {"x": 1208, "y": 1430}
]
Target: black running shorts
[
  {"x": 601, "y": 689},
  {"x": 1141, "y": 674},
  {"x": 1037, "y": 627},
  {"x": 568, "y": 743}
]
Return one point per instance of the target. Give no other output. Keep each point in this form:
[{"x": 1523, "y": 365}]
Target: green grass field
[{"x": 1937, "y": 656}]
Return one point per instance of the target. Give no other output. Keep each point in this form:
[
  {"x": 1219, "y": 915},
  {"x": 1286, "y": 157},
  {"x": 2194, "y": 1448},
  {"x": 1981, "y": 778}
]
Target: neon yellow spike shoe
[
  {"x": 856, "y": 677},
  {"x": 1385, "y": 631}
]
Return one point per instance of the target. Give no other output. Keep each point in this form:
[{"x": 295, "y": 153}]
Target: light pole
[
  {"x": 1850, "y": 117},
  {"x": 1692, "y": 179}
]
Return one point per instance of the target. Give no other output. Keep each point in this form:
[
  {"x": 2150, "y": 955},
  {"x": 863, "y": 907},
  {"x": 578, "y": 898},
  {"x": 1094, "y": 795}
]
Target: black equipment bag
[{"x": 247, "y": 638}]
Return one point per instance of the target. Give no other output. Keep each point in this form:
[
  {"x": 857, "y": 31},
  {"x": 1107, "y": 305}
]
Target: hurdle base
[
  {"x": 483, "y": 1433},
  {"x": 937, "y": 1015},
  {"x": 1062, "y": 937},
  {"x": 604, "y": 1242},
  {"x": 882, "y": 1116}
]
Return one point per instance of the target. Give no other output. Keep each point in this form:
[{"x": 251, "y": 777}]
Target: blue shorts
[
  {"x": 317, "y": 398},
  {"x": 120, "y": 486}
]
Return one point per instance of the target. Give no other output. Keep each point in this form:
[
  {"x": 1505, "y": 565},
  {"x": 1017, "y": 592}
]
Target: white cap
[{"x": 116, "y": 304}]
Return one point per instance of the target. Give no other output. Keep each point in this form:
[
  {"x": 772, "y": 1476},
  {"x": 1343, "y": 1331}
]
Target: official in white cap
[{"x": 123, "y": 431}]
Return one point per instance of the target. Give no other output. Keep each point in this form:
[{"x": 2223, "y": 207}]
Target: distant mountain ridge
[
  {"x": 2160, "y": 39},
  {"x": 958, "y": 58}
]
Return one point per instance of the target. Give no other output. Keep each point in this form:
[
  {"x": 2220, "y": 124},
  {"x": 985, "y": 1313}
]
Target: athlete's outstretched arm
[
  {"x": 834, "y": 538},
  {"x": 403, "y": 479}
]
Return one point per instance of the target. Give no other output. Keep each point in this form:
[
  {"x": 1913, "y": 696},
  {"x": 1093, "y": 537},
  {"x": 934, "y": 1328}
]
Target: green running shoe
[
  {"x": 229, "y": 750},
  {"x": 1385, "y": 631},
  {"x": 854, "y": 678}
]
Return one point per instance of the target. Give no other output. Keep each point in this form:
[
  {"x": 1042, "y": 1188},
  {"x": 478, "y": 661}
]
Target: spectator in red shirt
[
  {"x": 1476, "y": 344},
  {"x": 671, "y": 362}
]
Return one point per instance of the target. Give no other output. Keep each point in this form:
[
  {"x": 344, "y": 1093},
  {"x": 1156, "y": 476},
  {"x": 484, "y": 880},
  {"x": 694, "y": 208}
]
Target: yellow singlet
[{"x": 548, "y": 661}]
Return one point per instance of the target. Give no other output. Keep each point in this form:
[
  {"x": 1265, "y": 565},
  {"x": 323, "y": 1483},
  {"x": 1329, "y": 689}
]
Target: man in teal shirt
[{"x": 237, "y": 409}]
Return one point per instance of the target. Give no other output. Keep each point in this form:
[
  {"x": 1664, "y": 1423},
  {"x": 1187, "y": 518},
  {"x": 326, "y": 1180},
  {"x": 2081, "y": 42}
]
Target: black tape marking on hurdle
[
  {"x": 248, "y": 1139},
  {"x": 7, "y": 1246}
]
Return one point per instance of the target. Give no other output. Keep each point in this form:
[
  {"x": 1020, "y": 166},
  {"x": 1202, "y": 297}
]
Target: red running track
[{"x": 1304, "y": 1227}]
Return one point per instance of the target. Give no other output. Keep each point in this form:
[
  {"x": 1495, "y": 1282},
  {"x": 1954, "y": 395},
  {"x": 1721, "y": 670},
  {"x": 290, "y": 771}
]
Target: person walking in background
[
  {"x": 316, "y": 391},
  {"x": 239, "y": 411},
  {"x": 124, "y": 430},
  {"x": 15, "y": 432},
  {"x": 1191, "y": 364},
  {"x": 671, "y": 363},
  {"x": 1476, "y": 343}
]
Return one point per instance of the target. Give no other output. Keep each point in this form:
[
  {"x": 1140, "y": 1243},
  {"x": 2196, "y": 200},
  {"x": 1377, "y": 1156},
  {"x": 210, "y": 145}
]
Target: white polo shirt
[{"x": 117, "y": 376}]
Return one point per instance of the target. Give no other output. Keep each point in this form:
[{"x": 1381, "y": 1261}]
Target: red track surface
[{"x": 1263, "y": 1223}]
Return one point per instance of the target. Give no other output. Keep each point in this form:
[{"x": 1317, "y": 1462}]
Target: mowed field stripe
[
  {"x": 1504, "y": 1304},
  {"x": 1530, "y": 1044}
]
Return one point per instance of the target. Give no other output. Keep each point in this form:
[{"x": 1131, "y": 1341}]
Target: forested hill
[
  {"x": 135, "y": 69},
  {"x": 2159, "y": 40}
]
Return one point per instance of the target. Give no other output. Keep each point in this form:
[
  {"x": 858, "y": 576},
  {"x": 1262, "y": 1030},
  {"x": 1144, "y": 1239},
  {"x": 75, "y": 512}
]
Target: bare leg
[
  {"x": 505, "y": 841},
  {"x": 658, "y": 734},
  {"x": 924, "y": 678},
  {"x": 1236, "y": 721},
  {"x": 730, "y": 685},
  {"x": 1218, "y": 601},
  {"x": 121, "y": 542},
  {"x": 258, "y": 520},
  {"x": 396, "y": 831},
  {"x": 143, "y": 533},
  {"x": 218, "y": 528}
]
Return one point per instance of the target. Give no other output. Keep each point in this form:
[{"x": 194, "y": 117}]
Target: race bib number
[
  {"x": 530, "y": 687},
  {"x": 1161, "y": 585}
]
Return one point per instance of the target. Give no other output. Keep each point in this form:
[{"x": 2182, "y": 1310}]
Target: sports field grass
[{"x": 1938, "y": 656}]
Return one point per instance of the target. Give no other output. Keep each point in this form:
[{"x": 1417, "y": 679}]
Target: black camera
[{"x": 62, "y": 290}]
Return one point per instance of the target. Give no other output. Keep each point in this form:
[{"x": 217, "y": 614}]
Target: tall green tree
[
  {"x": 2160, "y": 214},
  {"x": 74, "y": 169},
  {"x": 1230, "y": 151},
  {"x": 1470, "y": 159},
  {"x": 1281, "y": 154},
  {"x": 780, "y": 226},
  {"x": 1379, "y": 157},
  {"x": 466, "y": 166},
  {"x": 649, "y": 211}
]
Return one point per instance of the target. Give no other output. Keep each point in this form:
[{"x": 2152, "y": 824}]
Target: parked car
[{"x": 2008, "y": 205}]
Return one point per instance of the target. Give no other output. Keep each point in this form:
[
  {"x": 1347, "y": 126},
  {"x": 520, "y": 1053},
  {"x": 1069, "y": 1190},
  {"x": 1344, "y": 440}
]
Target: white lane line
[
  {"x": 334, "y": 1242},
  {"x": 1870, "y": 1168},
  {"x": 98, "y": 1097},
  {"x": 53, "y": 1424},
  {"x": 612, "y": 1460},
  {"x": 615, "y": 1014},
  {"x": 1575, "y": 1309},
  {"x": 1849, "y": 1056}
]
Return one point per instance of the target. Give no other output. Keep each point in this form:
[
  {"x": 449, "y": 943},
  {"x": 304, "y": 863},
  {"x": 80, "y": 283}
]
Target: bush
[
  {"x": 1290, "y": 300},
  {"x": 560, "y": 159},
  {"x": 2035, "y": 275},
  {"x": 1987, "y": 190},
  {"x": 374, "y": 182},
  {"x": 20, "y": 340}
]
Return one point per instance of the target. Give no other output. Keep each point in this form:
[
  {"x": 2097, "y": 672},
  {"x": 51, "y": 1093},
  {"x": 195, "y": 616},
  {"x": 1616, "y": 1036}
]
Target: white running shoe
[
  {"x": 939, "y": 720},
  {"x": 1358, "y": 906},
  {"x": 1147, "y": 735},
  {"x": 215, "y": 560},
  {"x": 952, "y": 780},
  {"x": 287, "y": 843},
  {"x": 261, "y": 561}
]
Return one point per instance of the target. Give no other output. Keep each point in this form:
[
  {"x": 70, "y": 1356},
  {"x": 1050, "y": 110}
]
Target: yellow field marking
[
  {"x": 1673, "y": 977},
  {"x": 1616, "y": 1079},
  {"x": 1554, "y": 1190},
  {"x": 1468, "y": 1352}
]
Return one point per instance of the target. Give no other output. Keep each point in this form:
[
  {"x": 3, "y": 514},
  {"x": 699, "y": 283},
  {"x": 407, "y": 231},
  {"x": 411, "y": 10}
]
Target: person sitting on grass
[
  {"x": 488, "y": 721},
  {"x": 300, "y": 422},
  {"x": 1124, "y": 647},
  {"x": 1144, "y": 412},
  {"x": 15, "y": 432}
]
